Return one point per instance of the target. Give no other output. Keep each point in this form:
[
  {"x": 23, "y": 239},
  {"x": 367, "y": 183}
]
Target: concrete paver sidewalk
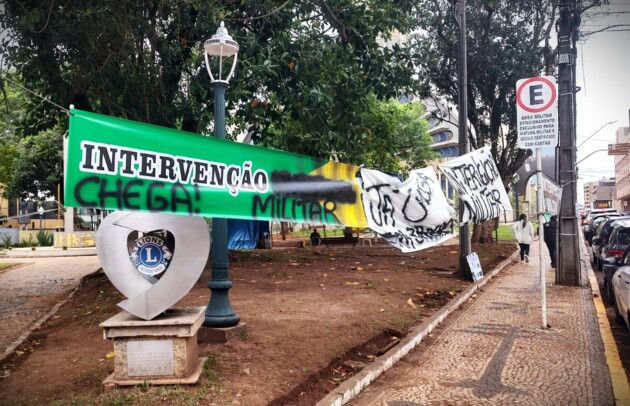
[
  {"x": 29, "y": 291},
  {"x": 495, "y": 352}
]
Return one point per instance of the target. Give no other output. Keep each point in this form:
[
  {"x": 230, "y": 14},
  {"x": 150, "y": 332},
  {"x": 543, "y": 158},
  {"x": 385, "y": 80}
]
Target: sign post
[
  {"x": 618, "y": 149},
  {"x": 537, "y": 123}
]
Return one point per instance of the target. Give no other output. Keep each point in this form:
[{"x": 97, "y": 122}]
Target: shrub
[
  {"x": 30, "y": 242},
  {"x": 6, "y": 240},
  {"x": 45, "y": 238}
]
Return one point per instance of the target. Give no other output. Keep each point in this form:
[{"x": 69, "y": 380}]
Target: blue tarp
[{"x": 247, "y": 234}]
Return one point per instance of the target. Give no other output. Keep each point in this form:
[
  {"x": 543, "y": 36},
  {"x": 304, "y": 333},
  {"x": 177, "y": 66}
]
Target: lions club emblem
[{"x": 150, "y": 255}]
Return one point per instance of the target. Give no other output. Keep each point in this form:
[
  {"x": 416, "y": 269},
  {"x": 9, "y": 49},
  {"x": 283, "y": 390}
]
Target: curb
[
  {"x": 9, "y": 350},
  {"x": 353, "y": 386},
  {"x": 49, "y": 253},
  {"x": 618, "y": 377}
]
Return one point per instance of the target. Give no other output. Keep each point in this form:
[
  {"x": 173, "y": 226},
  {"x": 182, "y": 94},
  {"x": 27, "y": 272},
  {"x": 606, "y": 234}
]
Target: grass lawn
[
  {"x": 4, "y": 265},
  {"x": 505, "y": 233}
]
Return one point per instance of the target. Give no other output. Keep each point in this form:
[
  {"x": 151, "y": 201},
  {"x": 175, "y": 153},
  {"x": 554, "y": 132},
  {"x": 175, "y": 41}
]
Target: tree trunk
[
  {"x": 482, "y": 232},
  {"x": 284, "y": 229}
]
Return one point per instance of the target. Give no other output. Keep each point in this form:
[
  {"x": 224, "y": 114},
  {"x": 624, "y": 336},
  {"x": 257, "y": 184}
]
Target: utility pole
[
  {"x": 464, "y": 232},
  {"x": 568, "y": 264}
]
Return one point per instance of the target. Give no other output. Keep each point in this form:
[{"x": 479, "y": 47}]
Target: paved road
[
  {"x": 29, "y": 291},
  {"x": 495, "y": 352}
]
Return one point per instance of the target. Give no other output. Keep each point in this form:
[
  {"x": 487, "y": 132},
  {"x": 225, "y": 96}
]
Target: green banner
[{"x": 119, "y": 164}]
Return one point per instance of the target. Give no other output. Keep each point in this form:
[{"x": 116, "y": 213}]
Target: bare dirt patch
[{"x": 314, "y": 316}]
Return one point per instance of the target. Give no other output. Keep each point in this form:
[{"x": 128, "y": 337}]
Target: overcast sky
[{"x": 603, "y": 73}]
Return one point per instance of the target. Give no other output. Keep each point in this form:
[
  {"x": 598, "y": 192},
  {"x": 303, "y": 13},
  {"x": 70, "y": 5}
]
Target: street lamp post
[
  {"x": 219, "y": 312},
  {"x": 40, "y": 210},
  {"x": 591, "y": 136},
  {"x": 462, "y": 74}
]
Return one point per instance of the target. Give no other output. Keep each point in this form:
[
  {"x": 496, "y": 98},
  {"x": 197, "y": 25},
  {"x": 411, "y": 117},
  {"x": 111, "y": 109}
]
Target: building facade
[
  {"x": 622, "y": 171},
  {"x": 589, "y": 188},
  {"x": 604, "y": 194},
  {"x": 444, "y": 132}
]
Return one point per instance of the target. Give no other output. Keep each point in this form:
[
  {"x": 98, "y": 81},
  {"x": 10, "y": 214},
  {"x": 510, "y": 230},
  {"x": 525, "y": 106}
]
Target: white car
[{"x": 621, "y": 290}]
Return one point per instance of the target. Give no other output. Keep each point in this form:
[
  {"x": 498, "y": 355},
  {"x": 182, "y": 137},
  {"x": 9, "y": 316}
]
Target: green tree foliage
[
  {"x": 399, "y": 139},
  {"x": 12, "y": 103},
  {"x": 307, "y": 62},
  {"x": 506, "y": 41},
  {"x": 38, "y": 165},
  {"x": 29, "y": 164},
  {"x": 385, "y": 135}
]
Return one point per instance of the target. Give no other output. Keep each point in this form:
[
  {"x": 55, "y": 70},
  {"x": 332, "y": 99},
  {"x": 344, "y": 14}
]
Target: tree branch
[
  {"x": 272, "y": 12},
  {"x": 341, "y": 27}
]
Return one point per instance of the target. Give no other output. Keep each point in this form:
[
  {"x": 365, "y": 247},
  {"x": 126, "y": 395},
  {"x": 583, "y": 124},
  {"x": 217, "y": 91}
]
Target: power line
[{"x": 37, "y": 95}]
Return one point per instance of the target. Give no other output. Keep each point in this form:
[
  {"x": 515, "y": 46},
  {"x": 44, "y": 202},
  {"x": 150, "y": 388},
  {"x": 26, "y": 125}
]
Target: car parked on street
[
  {"x": 594, "y": 221},
  {"x": 621, "y": 290},
  {"x": 601, "y": 240},
  {"x": 616, "y": 254}
]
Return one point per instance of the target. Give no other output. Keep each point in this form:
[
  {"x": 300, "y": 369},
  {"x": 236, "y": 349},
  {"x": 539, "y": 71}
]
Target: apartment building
[
  {"x": 589, "y": 188},
  {"x": 622, "y": 171}
]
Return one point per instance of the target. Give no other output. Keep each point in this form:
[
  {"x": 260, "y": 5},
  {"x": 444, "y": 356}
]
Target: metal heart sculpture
[{"x": 146, "y": 300}]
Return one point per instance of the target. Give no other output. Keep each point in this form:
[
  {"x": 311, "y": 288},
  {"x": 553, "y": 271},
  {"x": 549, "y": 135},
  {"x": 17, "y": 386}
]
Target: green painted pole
[{"x": 219, "y": 312}]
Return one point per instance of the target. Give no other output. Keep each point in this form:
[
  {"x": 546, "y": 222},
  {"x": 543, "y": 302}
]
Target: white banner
[
  {"x": 552, "y": 194},
  {"x": 476, "y": 178},
  {"x": 410, "y": 215}
]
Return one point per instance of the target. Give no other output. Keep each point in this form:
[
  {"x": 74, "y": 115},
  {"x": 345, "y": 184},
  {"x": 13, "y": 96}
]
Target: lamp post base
[
  {"x": 221, "y": 321},
  {"x": 219, "y": 335},
  {"x": 219, "y": 312}
]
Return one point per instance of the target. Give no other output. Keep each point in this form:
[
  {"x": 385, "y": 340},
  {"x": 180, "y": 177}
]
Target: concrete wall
[
  {"x": 13, "y": 232},
  {"x": 77, "y": 239}
]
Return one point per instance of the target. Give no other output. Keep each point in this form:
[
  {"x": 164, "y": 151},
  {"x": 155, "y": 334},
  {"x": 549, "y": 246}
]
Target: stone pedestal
[
  {"x": 219, "y": 335},
  {"x": 162, "y": 351}
]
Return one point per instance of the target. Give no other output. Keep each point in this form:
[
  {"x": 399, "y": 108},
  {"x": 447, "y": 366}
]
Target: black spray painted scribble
[
  {"x": 414, "y": 237},
  {"x": 303, "y": 197},
  {"x": 418, "y": 199},
  {"x": 312, "y": 187},
  {"x": 424, "y": 189}
]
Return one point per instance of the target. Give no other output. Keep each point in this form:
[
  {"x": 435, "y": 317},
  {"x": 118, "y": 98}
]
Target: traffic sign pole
[
  {"x": 537, "y": 127},
  {"x": 541, "y": 218}
]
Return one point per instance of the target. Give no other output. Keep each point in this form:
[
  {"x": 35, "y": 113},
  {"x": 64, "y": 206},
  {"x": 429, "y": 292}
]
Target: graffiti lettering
[
  {"x": 477, "y": 180},
  {"x": 474, "y": 175},
  {"x": 382, "y": 210},
  {"x": 414, "y": 238},
  {"x": 411, "y": 215},
  {"x": 283, "y": 208},
  {"x": 94, "y": 191}
]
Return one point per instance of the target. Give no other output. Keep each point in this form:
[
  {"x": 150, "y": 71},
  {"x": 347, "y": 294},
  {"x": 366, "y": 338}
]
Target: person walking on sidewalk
[
  {"x": 549, "y": 233},
  {"x": 524, "y": 234}
]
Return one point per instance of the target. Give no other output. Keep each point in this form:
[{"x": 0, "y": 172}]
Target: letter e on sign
[{"x": 537, "y": 112}]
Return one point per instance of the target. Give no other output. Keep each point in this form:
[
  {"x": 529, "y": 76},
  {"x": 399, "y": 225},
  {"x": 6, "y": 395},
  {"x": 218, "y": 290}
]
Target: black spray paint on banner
[
  {"x": 410, "y": 215},
  {"x": 476, "y": 178}
]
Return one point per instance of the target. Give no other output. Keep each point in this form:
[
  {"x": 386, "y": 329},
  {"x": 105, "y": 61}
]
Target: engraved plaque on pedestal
[
  {"x": 162, "y": 351},
  {"x": 150, "y": 358}
]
